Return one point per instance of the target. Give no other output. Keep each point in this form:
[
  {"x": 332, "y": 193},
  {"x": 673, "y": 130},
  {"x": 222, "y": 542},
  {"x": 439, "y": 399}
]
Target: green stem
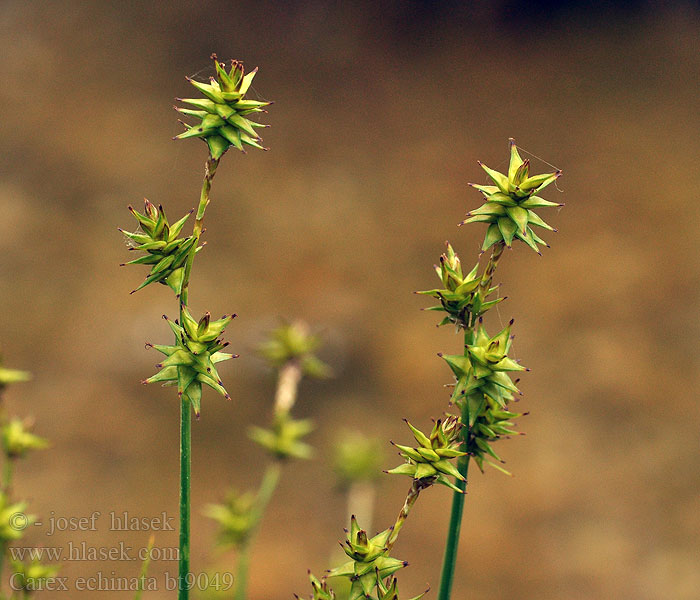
[
  {"x": 452, "y": 544},
  {"x": 450, "y": 560},
  {"x": 7, "y": 474},
  {"x": 185, "y": 474},
  {"x": 411, "y": 498},
  {"x": 267, "y": 488},
  {"x": 209, "y": 172},
  {"x": 185, "y": 416}
]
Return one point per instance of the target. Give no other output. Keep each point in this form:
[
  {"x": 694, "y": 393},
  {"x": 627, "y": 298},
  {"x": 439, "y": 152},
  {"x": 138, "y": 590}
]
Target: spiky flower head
[
  {"x": 485, "y": 366},
  {"x": 483, "y": 391},
  {"x": 235, "y": 517},
  {"x": 510, "y": 203},
  {"x": 357, "y": 457},
  {"x": 17, "y": 438},
  {"x": 293, "y": 342},
  {"x": 369, "y": 559},
  {"x": 283, "y": 440},
  {"x": 13, "y": 519},
  {"x": 460, "y": 296},
  {"x": 223, "y": 112},
  {"x": 163, "y": 250},
  {"x": 192, "y": 360},
  {"x": 429, "y": 462},
  {"x": 31, "y": 576},
  {"x": 321, "y": 589}
]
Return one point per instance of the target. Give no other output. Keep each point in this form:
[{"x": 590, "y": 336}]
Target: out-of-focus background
[{"x": 381, "y": 112}]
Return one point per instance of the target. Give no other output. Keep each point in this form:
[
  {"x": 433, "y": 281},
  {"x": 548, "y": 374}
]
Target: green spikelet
[
  {"x": 18, "y": 440},
  {"x": 294, "y": 342},
  {"x": 369, "y": 560},
  {"x": 484, "y": 385},
  {"x": 31, "y": 576},
  {"x": 509, "y": 204},
  {"x": 430, "y": 460},
  {"x": 235, "y": 517},
  {"x": 284, "y": 439},
  {"x": 163, "y": 250},
  {"x": 460, "y": 296},
  {"x": 191, "y": 361},
  {"x": 223, "y": 112}
]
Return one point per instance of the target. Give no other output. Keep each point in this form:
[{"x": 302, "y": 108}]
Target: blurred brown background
[{"x": 382, "y": 110}]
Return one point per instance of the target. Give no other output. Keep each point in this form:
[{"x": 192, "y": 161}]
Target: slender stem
[
  {"x": 411, "y": 498},
  {"x": 288, "y": 379},
  {"x": 287, "y": 385},
  {"x": 7, "y": 470},
  {"x": 209, "y": 172},
  {"x": 452, "y": 544},
  {"x": 450, "y": 559},
  {"x": 6, "y": 481},
  {"x": 185, "y": 416},
  {"x": 267, "y": 488},
  {"x": 185, "y": 474}
]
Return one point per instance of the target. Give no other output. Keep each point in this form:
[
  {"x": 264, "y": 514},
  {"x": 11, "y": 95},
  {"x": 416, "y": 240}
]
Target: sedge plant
[
  {"x": 221, "y": 117},
  {"x": 482, "y": 390},
  {"x": 290, "y": 351},
  {"x": 18, "y": 440}
]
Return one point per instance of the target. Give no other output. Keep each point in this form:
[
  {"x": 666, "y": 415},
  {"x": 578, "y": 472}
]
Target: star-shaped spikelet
[
  {"x": 223, "y": 112},
  {"x": 509, "y": 204}
]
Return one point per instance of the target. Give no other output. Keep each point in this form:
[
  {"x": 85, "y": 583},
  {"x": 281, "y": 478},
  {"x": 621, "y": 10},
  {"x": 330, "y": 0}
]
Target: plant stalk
[
  {"x": 185, "y": 410},
  {"x": 452, "y": 544},
  {"x": 411, "y": 498},
  {"x": 288, "y": 379},
  {"x": 287, "y": 385},
  {"x": 185, "y": 475},
  {"x": 267, "y": 488}
]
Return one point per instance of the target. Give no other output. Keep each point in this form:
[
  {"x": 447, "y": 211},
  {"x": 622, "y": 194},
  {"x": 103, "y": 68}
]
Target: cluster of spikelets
[
  {"x": 484, "y": 385},
  {"x": 461, "y": 296},
  {"x": 509, "y": 204},
  {"x": 163, "y": 249},
  {"x": 223, "y": 113},
  {"x": 429, "y": 462},
  {"x": 191, "y": 361}
]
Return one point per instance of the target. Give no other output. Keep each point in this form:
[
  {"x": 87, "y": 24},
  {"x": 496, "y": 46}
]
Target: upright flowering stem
[
  {"x": 209, "y": 172},
  {"x": 450, "y": 559},
  {"x": 185, "y": 473},
  {"x": 190, "y": 362},
  {"x": 185, "y": 409},
  {"x": 452, "y": 543},
  {"x": 267, "y": 489}
]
